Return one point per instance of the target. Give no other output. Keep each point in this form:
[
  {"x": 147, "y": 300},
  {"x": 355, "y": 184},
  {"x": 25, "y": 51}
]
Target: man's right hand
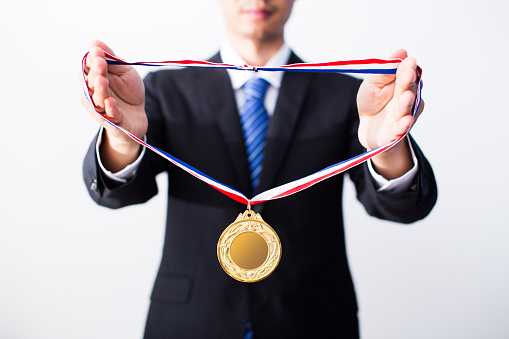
[{"x": 118, "y": 91}]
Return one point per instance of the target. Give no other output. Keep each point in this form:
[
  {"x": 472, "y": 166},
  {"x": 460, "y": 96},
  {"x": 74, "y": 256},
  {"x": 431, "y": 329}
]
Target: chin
[{"x": 261, "y": 32}]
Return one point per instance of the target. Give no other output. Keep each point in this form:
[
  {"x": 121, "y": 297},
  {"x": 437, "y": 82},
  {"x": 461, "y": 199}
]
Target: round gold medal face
[{"x": 249, "y": 250}]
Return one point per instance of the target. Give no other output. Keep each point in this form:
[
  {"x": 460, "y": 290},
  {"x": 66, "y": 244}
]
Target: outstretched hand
[
  {"x": 385, "y": 103},
  {"x": 118, "y": 93}
]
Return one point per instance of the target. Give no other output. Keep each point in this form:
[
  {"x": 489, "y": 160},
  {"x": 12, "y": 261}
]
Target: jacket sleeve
[
  {"x": 405, "y": 207},
  {"x": 142, "y": 186},
  {"x": 108, "y": 193}
]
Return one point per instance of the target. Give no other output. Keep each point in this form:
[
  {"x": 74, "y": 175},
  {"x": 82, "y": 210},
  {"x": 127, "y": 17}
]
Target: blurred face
[{"x": 257, "y": 19}]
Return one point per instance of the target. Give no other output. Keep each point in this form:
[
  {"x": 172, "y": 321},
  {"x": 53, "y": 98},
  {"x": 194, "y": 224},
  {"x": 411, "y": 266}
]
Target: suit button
[{"x": 93, "y": 184}]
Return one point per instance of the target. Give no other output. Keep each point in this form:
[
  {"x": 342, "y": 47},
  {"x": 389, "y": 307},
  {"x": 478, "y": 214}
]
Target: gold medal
[{"x": 249, "y": 249}]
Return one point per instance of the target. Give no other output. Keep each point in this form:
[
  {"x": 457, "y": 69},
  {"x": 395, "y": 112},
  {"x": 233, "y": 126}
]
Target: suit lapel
[
  {"x": 219, "y": 98},
  {"x": 221, "y": 101},
  {"x": 283, "y": 124}
]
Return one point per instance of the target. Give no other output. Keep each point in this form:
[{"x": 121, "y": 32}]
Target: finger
[
  {"x": 97, "y": 49},
  {"x": 97, "y": 67},
  {"x": 83, "y": 97},
  {"x": 408, "y": 102},
  {"x": 406, "y": 77},
  {"x": 112, "y": 111},
  {"x": 399, "y": 54},
  {"x": 405, "y": 103},
  {"x": 99, "y": 45},
  {"x": 406, "y": 123},
  {"x": 402, "y": 126},
  {"x": 384, "y": 79},
  {"x": 404, "y": 114},
  {"x": 101, "y": 91},
  {"x": 93, "y": 54}
]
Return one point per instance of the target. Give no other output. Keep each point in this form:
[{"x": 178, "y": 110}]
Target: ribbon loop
[{"x": 366, "y": 66}]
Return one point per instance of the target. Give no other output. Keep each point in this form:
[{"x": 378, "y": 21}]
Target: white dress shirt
[{"x": 238, "y": 79}]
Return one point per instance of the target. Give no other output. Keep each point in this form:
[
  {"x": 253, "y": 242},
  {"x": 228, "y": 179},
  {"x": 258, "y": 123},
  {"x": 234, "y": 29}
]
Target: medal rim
[{"x": 247, "y": 217}]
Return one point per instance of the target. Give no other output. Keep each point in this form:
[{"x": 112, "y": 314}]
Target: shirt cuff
[
  {"x": 397, "y": 185},
  {"x": 127, "y": 172}
]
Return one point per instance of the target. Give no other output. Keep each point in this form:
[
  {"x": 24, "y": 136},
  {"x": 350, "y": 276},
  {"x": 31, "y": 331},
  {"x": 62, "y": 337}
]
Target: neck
[{"x": 256, "y": 52}]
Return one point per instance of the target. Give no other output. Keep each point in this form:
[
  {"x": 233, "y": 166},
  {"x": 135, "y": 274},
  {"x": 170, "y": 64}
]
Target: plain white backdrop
[{"x": 71, "y": 269}]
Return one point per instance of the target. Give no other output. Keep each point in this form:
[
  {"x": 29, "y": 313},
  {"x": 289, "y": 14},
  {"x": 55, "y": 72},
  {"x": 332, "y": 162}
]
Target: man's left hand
[{"x": 385, "y": 103}]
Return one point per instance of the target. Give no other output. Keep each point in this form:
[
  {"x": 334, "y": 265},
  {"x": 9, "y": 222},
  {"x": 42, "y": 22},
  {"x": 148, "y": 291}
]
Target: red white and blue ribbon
[{"x": 366, "y": 66}]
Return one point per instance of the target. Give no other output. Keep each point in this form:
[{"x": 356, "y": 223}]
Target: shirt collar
[{"x": 238, "y": 78}]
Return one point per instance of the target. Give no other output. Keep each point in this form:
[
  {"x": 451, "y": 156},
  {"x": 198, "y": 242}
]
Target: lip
[{"x": 258, "y": 14}]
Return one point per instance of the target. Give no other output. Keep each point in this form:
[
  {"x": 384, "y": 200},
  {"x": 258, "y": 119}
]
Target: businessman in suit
[{"x": 315, "y": 120}]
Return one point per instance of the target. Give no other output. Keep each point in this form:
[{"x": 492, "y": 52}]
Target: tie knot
[{"x": 255, "y": 88}]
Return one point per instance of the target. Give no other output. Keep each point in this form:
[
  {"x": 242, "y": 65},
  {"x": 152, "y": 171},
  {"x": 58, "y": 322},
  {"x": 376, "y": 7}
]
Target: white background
[{"x": 71, "y": 269}]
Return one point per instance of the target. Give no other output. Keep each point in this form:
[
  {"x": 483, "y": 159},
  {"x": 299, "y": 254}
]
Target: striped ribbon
[{"x": 366, "y": 66}]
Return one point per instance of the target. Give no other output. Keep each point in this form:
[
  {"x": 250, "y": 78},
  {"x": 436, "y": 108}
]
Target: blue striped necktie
[{"x": 255, "y": 121}]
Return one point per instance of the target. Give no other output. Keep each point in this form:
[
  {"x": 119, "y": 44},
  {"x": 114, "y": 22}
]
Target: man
[{"x": 193, "y": 114}]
